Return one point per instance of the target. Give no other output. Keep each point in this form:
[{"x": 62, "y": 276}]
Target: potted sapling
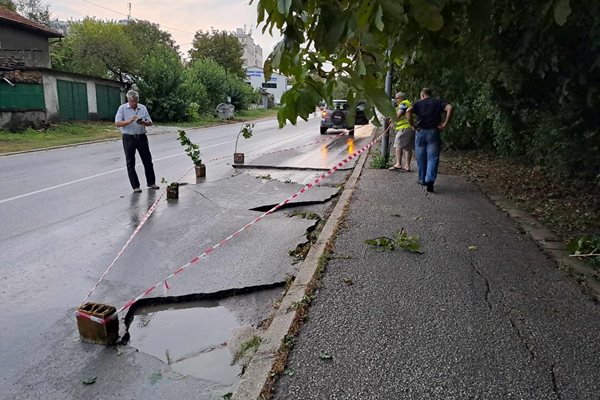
[
  {"x": 172, "y": 189},
  {"x": 193, "y": 151},
  {"x": 246, "y": 132}
]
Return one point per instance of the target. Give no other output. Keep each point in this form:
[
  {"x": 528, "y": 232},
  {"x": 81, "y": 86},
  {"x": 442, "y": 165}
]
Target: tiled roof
[{"x": 12, "y": 18}]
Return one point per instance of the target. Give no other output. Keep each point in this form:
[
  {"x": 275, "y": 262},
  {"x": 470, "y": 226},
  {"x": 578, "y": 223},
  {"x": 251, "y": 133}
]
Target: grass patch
[
  {"x": 67, "y": 133},
  {"x": 378, "y": 161},
  {"x": 57, "y": 135},
  {"x": 305, "y": 214},
  {"x": 248, "y": 346}
]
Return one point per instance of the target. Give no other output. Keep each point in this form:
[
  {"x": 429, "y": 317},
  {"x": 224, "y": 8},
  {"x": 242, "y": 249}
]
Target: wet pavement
[{"x": 65, "y": 214}]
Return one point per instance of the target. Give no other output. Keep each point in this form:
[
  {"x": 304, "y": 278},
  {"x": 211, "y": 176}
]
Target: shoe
[
  {"x": 153, "y": 187},
  {"x": 430, "y": 187},
  {"x": 137, "y": 190}
]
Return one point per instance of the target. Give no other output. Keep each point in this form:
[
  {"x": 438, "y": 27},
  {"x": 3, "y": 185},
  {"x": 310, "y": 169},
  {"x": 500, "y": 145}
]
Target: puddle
[{"x": 191, "y": 338}]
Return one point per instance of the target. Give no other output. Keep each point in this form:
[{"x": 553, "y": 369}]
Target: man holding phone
[{"x": 132, "y": 119}]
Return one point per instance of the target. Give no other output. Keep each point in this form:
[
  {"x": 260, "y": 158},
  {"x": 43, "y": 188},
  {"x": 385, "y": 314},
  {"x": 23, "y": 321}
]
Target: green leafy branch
[
  {"x": 191, "y": 149},
  {"x": 246, "y": 131},
  {"x": 586, "y": 247},
  {"x": 402, "y": 239}
]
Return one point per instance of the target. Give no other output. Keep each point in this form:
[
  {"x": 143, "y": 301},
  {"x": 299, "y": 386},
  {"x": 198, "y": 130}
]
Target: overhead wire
[{"x": 127, "y": 15}]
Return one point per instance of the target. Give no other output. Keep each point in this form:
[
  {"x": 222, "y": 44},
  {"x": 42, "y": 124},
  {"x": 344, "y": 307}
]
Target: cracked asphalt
[
  {"x": 66, "y": 213},
  {"x": 482, "y": 314}
]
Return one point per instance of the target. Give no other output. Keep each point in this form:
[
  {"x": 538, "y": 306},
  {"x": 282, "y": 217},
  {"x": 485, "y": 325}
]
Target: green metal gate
[
  {"x": 72, "y": 100},
  {"x": 21, "y": 97},
  {"x": 108, "y": 100}
]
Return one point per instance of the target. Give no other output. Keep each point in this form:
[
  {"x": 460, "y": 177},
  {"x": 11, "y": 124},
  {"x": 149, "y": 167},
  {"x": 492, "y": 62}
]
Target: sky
[{"x": 181, "y": 18}]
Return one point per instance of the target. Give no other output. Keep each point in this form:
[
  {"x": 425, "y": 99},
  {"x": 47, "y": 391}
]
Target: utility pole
[
  {"x": 129, "y": 12},
  {"x": 385, "y": 140}
]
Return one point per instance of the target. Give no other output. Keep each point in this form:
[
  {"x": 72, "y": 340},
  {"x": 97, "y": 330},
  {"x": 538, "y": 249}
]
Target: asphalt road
[{"x": 66, "y": 213}]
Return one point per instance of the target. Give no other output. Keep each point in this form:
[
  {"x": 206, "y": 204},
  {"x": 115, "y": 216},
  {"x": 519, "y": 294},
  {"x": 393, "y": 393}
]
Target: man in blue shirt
[
  {"x": 132, "y": 119},
  {"x": 427, "y": 134}
]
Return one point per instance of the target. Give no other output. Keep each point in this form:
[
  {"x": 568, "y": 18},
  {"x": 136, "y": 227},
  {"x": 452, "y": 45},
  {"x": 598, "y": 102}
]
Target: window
[{"x": 269, "y": 85}]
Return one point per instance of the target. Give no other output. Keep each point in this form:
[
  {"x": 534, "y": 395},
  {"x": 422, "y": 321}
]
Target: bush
[{"x": 161, "y": 85}]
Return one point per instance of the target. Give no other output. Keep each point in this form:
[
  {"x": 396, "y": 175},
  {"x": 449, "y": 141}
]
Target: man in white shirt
[{"x": 132, "y": 119}]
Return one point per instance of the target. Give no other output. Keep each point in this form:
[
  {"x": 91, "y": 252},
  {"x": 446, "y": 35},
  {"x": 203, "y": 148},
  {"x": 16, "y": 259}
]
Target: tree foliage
[
  {"x": 523, "y": 76},
  {"x": 8, "y": 4},
  {"x": 99, "y": 48},
  {"x": 146, "y": 35},
  {"x": 160, "y": 83},
  {"x": 222, "y": 47},
  {"x": 141, "y": 55},
  {"x": 35, "y": 10}
]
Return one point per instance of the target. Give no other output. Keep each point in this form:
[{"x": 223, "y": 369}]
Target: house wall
[
  {"x": 51, "y": 93},
  {"x": 277, "y": 85},
  {"x": 20, "y": 48},
  {"x": 22, "y": 118}
]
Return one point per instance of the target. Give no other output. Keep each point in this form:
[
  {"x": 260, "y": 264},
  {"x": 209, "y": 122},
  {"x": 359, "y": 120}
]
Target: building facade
[
  {"x": 276, "y": 85},
  {"x": 253, "y": 56},
  {"x": 32, "y": 94}
]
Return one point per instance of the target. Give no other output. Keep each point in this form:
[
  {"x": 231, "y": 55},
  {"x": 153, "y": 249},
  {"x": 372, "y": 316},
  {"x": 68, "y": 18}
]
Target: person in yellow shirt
[{"x": 404, "y": 142}]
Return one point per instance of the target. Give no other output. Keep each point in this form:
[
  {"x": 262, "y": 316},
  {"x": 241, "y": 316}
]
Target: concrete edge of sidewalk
[
  {"x": 547, "y": 241},
  {"x": 259, "y": 370}
]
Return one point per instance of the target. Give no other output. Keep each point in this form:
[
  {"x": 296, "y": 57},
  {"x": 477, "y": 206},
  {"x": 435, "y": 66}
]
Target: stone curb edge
[
  {"x": 258, "y": 371},
  {"x": 546, "y": 240}
]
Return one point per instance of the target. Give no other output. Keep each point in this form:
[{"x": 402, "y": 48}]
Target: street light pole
[{"x": 385, "y": 140}]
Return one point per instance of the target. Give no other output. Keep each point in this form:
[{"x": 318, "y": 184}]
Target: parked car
[{"x": 336, "y": 116}]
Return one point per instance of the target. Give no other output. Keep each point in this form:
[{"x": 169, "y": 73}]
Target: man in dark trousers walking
[
  {"x": 427, "y": 134},
  {"x": 132, "y": 119}
]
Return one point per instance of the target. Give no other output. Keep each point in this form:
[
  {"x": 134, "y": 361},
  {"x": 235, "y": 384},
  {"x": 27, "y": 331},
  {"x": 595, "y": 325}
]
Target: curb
[
  {"x": 547, "y": 241},
  {"x": 258, "y": 371}
]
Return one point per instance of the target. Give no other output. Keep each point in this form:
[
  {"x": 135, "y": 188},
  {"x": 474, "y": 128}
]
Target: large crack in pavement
[
  {"x": 194, "y": 297},
  {"x": 487, "y": 285}
]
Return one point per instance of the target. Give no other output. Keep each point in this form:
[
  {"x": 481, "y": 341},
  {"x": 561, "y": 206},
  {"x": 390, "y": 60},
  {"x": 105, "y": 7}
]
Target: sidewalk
[{"x": 494, "y": 321}]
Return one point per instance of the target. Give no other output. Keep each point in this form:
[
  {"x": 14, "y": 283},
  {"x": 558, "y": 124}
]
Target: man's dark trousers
[{"x": 131, "y": 143}]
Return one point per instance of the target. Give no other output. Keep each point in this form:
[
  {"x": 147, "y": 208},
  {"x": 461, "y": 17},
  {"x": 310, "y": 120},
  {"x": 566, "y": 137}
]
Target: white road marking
[{"x": 106, "y": 173}]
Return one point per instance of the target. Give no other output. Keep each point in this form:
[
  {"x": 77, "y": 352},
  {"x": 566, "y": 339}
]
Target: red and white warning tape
[
  {"x": 195, "y": 260},
  {"x": 155, "y": 204}
]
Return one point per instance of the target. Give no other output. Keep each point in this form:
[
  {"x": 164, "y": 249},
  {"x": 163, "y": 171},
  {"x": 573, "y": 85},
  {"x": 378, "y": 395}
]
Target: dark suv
[{"x": 336, "y": 116}]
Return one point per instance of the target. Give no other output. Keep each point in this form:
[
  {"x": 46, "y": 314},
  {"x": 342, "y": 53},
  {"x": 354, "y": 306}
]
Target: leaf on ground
[
  {"x": 473, "y": 248},
  {"x": 89, "y": 381},
  {"x": 155, "y": 377},
  {"x": 288, "y": 372},
  {"x": 408, "y": 242},
  {"x": 382, "y": 243},
  {"x": 323, "y": 355}
]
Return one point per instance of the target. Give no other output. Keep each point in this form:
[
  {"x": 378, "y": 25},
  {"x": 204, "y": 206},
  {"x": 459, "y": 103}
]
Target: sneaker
[
  {"x": 430, "y": 187},
  {"x": 154, "y": 186},
  {"x": 137, "y": 190}
]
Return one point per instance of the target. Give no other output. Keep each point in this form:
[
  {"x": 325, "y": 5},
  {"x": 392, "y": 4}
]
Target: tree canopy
[
  {"x": 8, "y": 4},
  {"x": 222, "y": 47},
  {"x": 523, "y": 76},
  {"x": 35, "y": 10}
]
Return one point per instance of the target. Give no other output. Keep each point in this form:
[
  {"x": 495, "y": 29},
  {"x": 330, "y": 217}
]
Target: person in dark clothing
[
  {"x": 427, "y": 134},
  {"x": 132, "y": 119}
]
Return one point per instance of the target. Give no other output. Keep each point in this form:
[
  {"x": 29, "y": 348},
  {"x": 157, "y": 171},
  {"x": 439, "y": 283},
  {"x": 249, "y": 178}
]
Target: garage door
[
  {"x": 108, "y": 99},
  {"x": 72, "y": 100}
]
